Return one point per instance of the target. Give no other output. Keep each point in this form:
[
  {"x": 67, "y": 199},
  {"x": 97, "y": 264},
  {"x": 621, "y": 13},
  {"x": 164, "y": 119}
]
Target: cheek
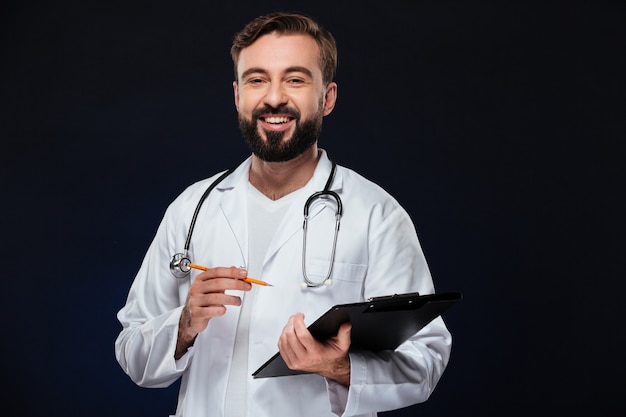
[
  {"x": 247, "y": 102},
  {"x": 309, "y": 106},
  {"x": 243, "y": 106}
]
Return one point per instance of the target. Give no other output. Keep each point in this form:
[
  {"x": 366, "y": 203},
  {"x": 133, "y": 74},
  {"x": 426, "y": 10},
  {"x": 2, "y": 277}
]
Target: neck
[{"x": 277, "y": 179}]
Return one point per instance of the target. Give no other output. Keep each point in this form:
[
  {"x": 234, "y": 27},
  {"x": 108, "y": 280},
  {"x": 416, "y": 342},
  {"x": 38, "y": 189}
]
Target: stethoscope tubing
[
  {"x": 179, "y": 264},
  {"x": 338, "y": 213}
]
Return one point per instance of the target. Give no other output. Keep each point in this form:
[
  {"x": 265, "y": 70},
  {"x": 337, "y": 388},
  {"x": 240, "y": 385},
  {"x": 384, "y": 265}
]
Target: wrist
[
  {"x": 339, "y": 371},
  {"x": 183, "y": 342},
  {"x": 185, "y": 337}
]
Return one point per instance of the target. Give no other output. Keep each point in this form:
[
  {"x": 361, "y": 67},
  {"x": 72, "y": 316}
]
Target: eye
[
  {"x": 295, "y": 81},
  {"x": 254, "y": 80}
]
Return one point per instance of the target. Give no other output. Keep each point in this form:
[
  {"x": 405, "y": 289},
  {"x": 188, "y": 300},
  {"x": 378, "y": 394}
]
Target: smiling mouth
[{"x": 276, "y": 120}]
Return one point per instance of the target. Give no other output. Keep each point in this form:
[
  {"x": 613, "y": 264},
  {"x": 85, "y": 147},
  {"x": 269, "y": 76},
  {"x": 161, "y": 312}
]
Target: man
[{"x": 212, "y": 327}]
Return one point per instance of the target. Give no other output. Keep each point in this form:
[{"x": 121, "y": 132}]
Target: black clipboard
[{"x": 378, "y": 324}]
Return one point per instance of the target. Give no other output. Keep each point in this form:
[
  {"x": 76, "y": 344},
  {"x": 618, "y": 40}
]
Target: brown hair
[{"x": 281, "y": 22}]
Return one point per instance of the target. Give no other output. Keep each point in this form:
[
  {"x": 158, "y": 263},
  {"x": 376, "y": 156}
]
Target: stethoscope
[{"x": 180, "y": 262}]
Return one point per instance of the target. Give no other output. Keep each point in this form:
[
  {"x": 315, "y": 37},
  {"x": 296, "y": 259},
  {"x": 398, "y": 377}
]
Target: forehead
[{"x": 276, "y": 52}]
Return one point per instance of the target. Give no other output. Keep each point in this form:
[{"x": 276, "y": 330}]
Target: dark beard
[{"x": 275, "y": 150}]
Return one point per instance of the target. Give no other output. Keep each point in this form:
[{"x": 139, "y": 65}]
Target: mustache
[{"x": 278, "y": 110}]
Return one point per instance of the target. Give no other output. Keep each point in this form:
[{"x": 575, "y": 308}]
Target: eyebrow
[{"x": 289, "y": 70}]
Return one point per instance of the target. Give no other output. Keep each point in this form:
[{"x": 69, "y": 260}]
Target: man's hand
[
  {"x": 302, "y": 352},
  {"x": 207, "y": 299}
]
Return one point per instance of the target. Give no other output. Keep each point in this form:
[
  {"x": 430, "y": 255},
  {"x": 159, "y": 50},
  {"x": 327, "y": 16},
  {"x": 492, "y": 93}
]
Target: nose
[{"x": 275, "y": 96}]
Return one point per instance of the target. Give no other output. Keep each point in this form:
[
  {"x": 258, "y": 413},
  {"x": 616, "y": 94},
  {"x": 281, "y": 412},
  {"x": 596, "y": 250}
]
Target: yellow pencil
[{"x": 250, "y": 280}]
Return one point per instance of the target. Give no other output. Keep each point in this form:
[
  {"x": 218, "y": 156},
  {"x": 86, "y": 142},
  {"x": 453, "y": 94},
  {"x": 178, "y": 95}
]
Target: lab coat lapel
[{"x": 234, "y": 205}]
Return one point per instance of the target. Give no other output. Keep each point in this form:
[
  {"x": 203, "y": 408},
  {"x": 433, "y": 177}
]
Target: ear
[
  {"x": 330, "y": 98},
  {"x": 236, "y": 93}
]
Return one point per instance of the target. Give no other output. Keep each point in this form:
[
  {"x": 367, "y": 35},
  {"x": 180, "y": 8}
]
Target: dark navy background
[{"x": 500, "y": 126}]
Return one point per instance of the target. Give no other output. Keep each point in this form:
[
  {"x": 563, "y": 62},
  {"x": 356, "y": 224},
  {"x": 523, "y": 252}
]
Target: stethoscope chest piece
[{"x": 179, "y": 265}]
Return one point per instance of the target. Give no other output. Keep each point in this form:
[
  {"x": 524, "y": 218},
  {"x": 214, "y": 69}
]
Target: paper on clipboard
[{"x": 378, "y": 324}]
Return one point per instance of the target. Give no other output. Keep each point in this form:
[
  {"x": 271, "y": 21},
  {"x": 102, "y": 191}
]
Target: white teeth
[{"x": 276, "y": 120}]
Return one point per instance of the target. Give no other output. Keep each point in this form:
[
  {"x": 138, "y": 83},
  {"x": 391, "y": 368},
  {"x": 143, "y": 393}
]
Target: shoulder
[
  {"x": 365, "y": 199},
  {"x": 195, "y": 190},
  {"x": 356, "y": 186},
  {"x": 198, "y": 191},
  {"x": 220, "y": 181}
]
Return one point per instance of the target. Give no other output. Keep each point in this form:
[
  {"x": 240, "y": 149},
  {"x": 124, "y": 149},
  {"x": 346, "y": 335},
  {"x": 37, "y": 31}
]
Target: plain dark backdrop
[{"x": 500, "y": 126}]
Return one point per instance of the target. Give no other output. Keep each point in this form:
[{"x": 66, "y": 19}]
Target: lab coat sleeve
[
  {"x": 395, "y": 379},
  {"x": 146, "y": 344}
]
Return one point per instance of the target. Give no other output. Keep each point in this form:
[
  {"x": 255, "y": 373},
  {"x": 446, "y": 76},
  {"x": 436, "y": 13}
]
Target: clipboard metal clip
[{"x": 394, "y": 297}]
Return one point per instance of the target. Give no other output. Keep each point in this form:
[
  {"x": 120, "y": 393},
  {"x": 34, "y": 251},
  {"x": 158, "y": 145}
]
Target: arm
[
  {"x": 161, "y": 317},
  {"x": 394, "y": 379},
  {"x": 151, "y": 347},
  {"x": 365, "y": 382},
  {"x": 145, "y": 346}
]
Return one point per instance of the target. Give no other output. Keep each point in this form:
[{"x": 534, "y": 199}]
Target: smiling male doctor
[{"x": 212, "y": 328}]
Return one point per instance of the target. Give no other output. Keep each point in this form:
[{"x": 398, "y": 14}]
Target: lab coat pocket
[
  {"x": 346, "y": 280},
  {"x": 319, "y": 269}
]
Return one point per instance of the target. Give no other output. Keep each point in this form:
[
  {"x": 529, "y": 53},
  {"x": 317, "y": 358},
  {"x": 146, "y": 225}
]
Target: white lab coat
[{"x": 378, "y": 253}]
